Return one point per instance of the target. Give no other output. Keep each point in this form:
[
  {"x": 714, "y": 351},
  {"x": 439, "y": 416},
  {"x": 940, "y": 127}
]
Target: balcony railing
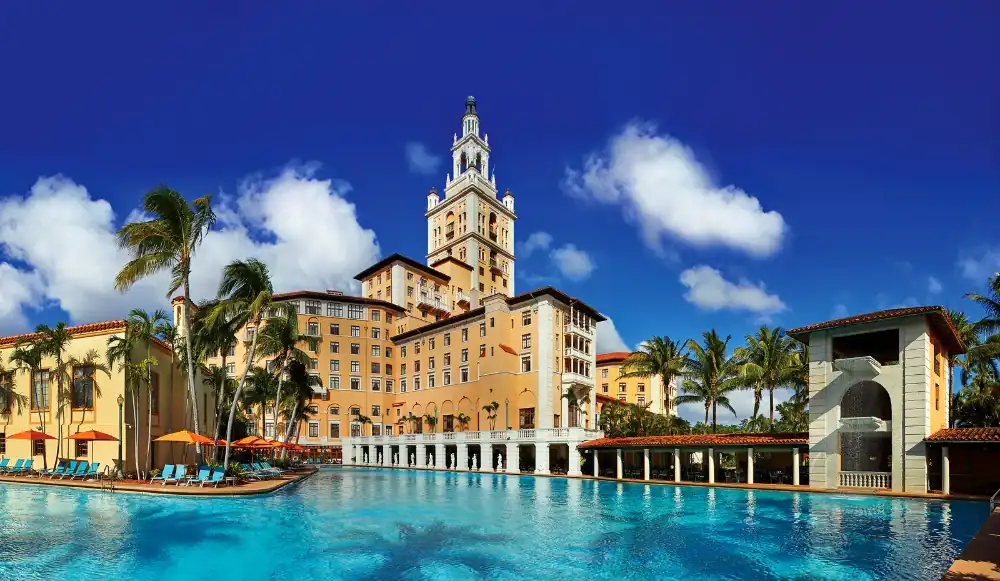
[
  {"x": 463, "y": 298},
  {"x": 866, "y": 479},
  {"x": 571, "y": 434},
  {"x": 434, "y": 302},
  {"x": 577, "y": 377},
  {"x": 578, "y": 329}
]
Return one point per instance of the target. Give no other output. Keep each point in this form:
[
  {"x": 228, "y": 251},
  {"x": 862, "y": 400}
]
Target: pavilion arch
[
  {"x": 520, "y": 416},
  {"x": 465, "y": 406},
  {"x": 865, "y": 434},
  {"x": 448, "y": 407},
  {"x": 866, "y": 399}
]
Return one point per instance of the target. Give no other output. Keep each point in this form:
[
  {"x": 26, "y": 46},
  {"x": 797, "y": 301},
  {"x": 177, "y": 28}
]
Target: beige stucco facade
[{"x": 632, "y": 390}]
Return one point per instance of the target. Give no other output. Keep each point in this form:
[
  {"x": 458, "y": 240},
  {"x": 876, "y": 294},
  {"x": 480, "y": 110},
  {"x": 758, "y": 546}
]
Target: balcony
[
  {"x": 866, "y": 479},
  {"x": 493, "y": 235},
  {"x": 573, "y": 434},
  {"x": 495, "y": 267},
  {"x": 865, "y": 425},
  {"x": 463, "y": 300},
  {"x": 314, "y": 333},
  {"x": 577, "y": 378},
  {"x": 576, "y": 352},
  {"x": 579, "y": 329},
  {"x": 862, "y": 366},
  {"x": 449, "y": 232},
  {"x": 433, "y": 302}
]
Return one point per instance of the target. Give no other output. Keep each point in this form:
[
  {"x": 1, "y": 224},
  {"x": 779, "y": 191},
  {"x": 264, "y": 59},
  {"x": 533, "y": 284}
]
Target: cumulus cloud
[
  {"x": 659, "y": 183},
  {"x": 59, "y": 244},
  {"x": 608, "y": 338},
  {"x": 708, "y": 290},
  {"x": 537, "y": 241},
  {"x": 573, "y": 263},
  {"x": 742, "y": 402},
  {"x": 980, "y": 266},
  {"x": 933, "y": 285},
  {"x": 420, "y": 160},
  {"x": 839, "y": 311}
]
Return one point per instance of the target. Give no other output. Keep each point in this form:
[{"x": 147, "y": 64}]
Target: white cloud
[
  {"x": 573, "y": 263},
  {"x": 708, "y": 290},
  {"x": 17, "y": 288},
  {"x": 933, "y": 285},
  {"x": 300, "y": 225},
  {"x": 608, "y": 339},
  {"x": 839, "y": 311},
  {"x": 979, "y": 268},
  {"x": 420, "y": 160},
  {"x": 537, "y": 241},
  {"x": 660, "y": 184},
  {"x": 742, "y": 402}
]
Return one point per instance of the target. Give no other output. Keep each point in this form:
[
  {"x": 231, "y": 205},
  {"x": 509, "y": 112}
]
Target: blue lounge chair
[
  {"x": 13, "y": 469},
  {"x": 3, "y": 465},
  {"x": 204, "y": 473},
  {"x": 92, "y": 472},
  {"x": 218, "y": 477},
  {"x": 179, "y": 475},
  {"x": 81, "y": 469},
  {"x": 251, "y": 474},
  {"x": 25, "y": 468},
  {"x": 268, "y": 472},
  {"x": 267, "y": 466},
  {"x": 68, "y": 468},
  {"x": 56, "y": 470},
  {"x": 168, "y": 471}
]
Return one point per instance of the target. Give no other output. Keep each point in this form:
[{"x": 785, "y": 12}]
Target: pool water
[{"x": 369, "y": 523}]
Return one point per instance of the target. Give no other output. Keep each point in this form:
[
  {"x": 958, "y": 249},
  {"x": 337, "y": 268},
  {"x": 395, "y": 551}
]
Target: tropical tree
[
  {"x": 81, "y": 379},
  {"x": 431, "y": 421},
  {"x": 168, "y": 241},
  {"x": 990, "y": 303},
  {"x": 301, "y": 393},
  {"x": 712, "y": 374},
  {"x": 224, "y": 387},
  {"x": 491, "y": 413},
  {"x": 575, "y": 400},
  {"x": 279, "y": 339},
  {"x": 26, "y": 357},
  {"x": 145, "y": 328},
  {"x": 209, "y": 339},
  {"x": 658, "y": 357},
  {"x": 363, "y": 420},
  {"x": 793, "y": 417},
  {"x": 765, "y": 363},
  {"x": 463, "y": 421},
  {"x": 53, "y": 341},
  {"x": 412, "y": 420},
  {"x": 120, "y": 352},
  {"x": 244, "y": 297},
  {"x": 10, "y": 398}
]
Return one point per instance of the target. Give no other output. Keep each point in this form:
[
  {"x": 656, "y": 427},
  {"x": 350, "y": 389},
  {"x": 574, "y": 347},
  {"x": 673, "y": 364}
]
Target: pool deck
[
  {"x": 243, "y": 489},
  {"x": 980, "y": 561}
]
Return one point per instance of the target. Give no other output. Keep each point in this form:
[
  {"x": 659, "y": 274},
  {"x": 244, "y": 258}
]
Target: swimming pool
[{"x": 355, "y": 523}]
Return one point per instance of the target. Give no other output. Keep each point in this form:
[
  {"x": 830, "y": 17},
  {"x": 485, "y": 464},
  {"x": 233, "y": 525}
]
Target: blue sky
[{"x": 720, "y": 165}]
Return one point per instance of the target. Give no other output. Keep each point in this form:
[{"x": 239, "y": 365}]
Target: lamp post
[
  {"x": 121, "y": 402},
  {"x": 506, "y": 411}
]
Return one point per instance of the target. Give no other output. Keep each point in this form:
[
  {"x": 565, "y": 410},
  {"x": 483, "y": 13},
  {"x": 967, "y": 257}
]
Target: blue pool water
[{"x": 358, "y": 523}]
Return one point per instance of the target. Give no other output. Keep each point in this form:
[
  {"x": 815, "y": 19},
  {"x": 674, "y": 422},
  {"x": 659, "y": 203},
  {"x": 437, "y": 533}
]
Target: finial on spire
[
  {"x": 470, "y": 106},
  {"x": 454, "y": 138}
]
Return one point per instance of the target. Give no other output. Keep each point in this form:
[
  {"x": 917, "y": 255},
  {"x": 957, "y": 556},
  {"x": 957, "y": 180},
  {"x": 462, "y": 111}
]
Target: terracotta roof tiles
[
  {"x": 965, "y": 435},
  {"x": 716, "y": 440},
  {"x": 938, "y": 317},
  {"x": 74, "y": 330},
  {"x": 613, "y": 357}
]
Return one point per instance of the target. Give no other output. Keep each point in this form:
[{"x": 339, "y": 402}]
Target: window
[
  {"x": 6, "y": 381},
  {"x": 402, "y": 351},
  {"x": 447, "y": 339},
  {"x": 482, "y": 350},
  {"x": 416, "y": 384},
  {"x": 230, "y": 369},
  {"x": 526, "y": 364},
  {"x": 355, "y": 367},
  {"x": 409, "y": 291},
  {"x": 416, "y": 367},
  {"x": 375, "y": 367},
  {"x": 388, "y": 386},
  {"x": 388, "y": 369},
  {"x": 526, "y": 341},
  {"x": 376, "y": 411},
  {"x": 356, "y": 383},
  {"x": 375, "y": 332},
  {"x": 388, "y": 351},
  {"x": 334, "y": 329},
  {"x": 355, "y": 348},
  {"x": 82, "y": 448},
  {"x": 376, "y": 350},
  {"x": 375, "y": 314},
  {"x": 465, "y": 335},
  {"x": 338, "y": 310},
  {"x": 154, "y": 392},
  {"x": 312, "y": 307},
  {"x": 38, "y": 447},
  {"x": 313, "y": 429},
  {"x": 3, "y": 443},
  {"x": 402, "y": 386},
  {"x": 355, "y": 312},
  {"x": 937, "y": 394},
  {"x": 313, "y": 364},
  {"x": 430, "y": 344},
  {"x": 446, "y": 377},
  {"x": 231, "y": 351},
  {"x": 604, "y": 388},
  {"x": 641, "y": 388},
  {"x": 409, "y": 276},
  {"x": 604, "y": 373},
  {"x": 334, "y": 382},
  {"x": 492, "y": 322},
  {"x": 402, "y": 369},
  {"x": 465, "y": 355},
  {"x": 430, "y": 381},
  {"x": 482, "y": 329},
  {"x": 527, "y": 417},
  {"x": 388, "y": 315},
  {"x": 334, "y": 365},
  {"x": 464, "y": 374},
  {"x": 355, "y": 331},
  {"x": 621, "y": 398},
  {"x": 430, "y": 363},
  {"x": 83, "y": 387},
  {"x": 416, "y": 348},
  {"x": 268, "y": 430},
  {"x": 376, "y": 384},
  {"x": 39, "y": 390},
  {"x": 334, "y": 429},
  {"x": 334, "y": 347},
  {"x": 621, "y": 387},
  {"x": 525, "y": 318},
  {"x": 447, "y": 359}
]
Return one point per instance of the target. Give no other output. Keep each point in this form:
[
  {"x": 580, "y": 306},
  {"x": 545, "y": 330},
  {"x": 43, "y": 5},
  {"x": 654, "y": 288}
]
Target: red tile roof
[
  {"x": 74, "y": 330},
  {"x": 965, "y": 435},
  {"x": 938, "y": 317},
  {"x": 320, "y": 295},
  {"x": 715, "y": 440},
  {"x": 613, "y": 357},
  {"x": 601, "y": 398}
]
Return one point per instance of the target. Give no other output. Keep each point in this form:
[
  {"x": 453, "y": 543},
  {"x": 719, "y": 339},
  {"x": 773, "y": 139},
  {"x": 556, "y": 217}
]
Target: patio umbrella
[
  {"x": 33, "y": 436},
  {"x": 92, "y": 436},
  {"x": 248, "y": 442},
  {"x": 185, "y": 437}
]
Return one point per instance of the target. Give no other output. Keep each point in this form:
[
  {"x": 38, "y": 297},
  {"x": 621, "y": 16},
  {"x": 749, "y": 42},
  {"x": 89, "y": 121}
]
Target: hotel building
[
  {"x": 428, "y": 346},
  {"x": 632, "y": 390}
]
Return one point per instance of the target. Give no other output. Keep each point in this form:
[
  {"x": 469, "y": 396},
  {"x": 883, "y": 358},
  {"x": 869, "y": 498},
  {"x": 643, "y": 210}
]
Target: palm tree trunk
[
  {"x": 758, "y": 394},
  {"x": 59, "y": 409},
  {"x": 239, "y": 391},
  {"x": 707, "y": 405},
  {"x": 190, "y": 361},
  {"x": 770, "y": 391},
  {"x": 715, "y": 411},
  {"x": 149, "y": 410},
  {"x": 135, "y": 440},
  {"x": 277, "y": 397}
]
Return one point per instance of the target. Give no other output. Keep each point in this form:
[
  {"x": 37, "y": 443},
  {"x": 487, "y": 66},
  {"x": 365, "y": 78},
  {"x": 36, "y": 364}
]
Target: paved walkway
[
  {"x": 242, "y": 489},
  {"x": 980, "y": 561}
]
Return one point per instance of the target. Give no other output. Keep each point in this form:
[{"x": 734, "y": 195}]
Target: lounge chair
[
  {"x": 168, "y": 471},
  {"x": 93, "y": 471},
  {"x": 25, "y": 468},
  {"x": 81, "y": 469},
  {"x": 15, "y": 468},
  {"x": 204, "y": 474},
  {"x": 218, "y": 477},
  {"x": 269, "y": 467},
  {"x": 252, "y": 473},
  {"x": 179, "y": 476},
  {"x": 3, "y": 465},
  {"x": 56, "y": 470}
]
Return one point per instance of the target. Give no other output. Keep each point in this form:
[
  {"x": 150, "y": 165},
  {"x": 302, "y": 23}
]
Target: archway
[{"x": 866, "y": 436}]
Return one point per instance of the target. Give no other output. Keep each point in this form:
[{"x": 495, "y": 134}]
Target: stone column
[
  {"x": 440, "y": 462},
  {"x": 677, "y": 464},
  {"x": 421, "y": 456},
  {"x": 386, "y": 455},
  {"x": 597, "y": 468},
  {"x": 463, "y": 457},
  {"x": 750, "y": 465},
  {"x": 645, "y": 463},
  {"x": 795, "y": 466},
  {"x": 711, "y": 466},
  {"x": 541, "y": 457},
  {"x": 513, "y": 463},
  {"x": 574, "y": 461},
  {"x": 945, "y": 471},
  {"x": 618, "y": 463}
]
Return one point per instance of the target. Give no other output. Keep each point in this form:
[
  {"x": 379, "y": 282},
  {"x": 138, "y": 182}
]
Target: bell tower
[{"x": 470, "y": 223}]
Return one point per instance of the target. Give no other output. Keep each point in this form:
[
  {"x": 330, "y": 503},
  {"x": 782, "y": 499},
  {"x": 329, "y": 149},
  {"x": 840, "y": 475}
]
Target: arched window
[
  {"x": 479, "y": 162},
  {"x": 464, "y": 161},
  {"x": 335, "y": 410}
]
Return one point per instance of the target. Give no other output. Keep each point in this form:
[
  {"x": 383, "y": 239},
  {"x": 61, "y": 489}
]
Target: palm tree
[
  {"x": 657, "y": 357},
  {"x": 431, "y": 421},
  {"x": 463, "y": 421},
  {"x": 259, "y": 391},
  {"x": 168, "y": 241},
  {"x": 53, "y": 342},
  {"x": 990, "y": 303},
  {"x": 767, "y": 362},
  {"x": 412, "y": 420},
  {"x": 363, "y": 419},
  {"x": 27, "y": 358},
  {"x": 224, "y": 388},
  {"x": 120, "y": 351},
  {"x": 574, "y": 401},
  {"x": 711, "y": 375},
  {"x": 245, "y": 295},
  {"x": 279, "y": 338},
  {"x": 301, "y": 393},
  {"x": 491, "y": 413},
  {"x": 210, "y": 339},
  {"x": 84, "y": 374},
  {"x": 144, "y": 328},
  {"x": 9, "y": 396}
]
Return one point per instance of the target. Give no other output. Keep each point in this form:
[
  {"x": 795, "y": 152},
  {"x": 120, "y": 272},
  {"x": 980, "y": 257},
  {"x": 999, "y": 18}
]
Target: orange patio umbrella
[
  {"x": 92, "y": 436},
  {"x": 185, "y": 437},
  {"x": 33, "y": 436},
  {"x": 249, "y": 442}
]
